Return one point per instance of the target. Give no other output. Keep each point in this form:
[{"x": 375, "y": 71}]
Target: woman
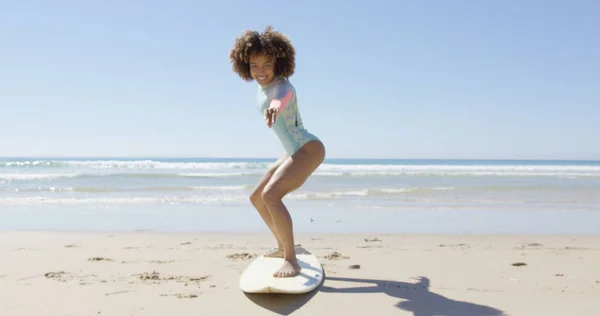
[{"x": 269, "y": 59}]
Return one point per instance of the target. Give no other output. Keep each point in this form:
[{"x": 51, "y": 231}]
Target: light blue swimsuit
[{"x": 288, "y": 123}]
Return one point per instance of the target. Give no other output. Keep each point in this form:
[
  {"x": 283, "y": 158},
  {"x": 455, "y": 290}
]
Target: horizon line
[{"x": 271, "y": 158}]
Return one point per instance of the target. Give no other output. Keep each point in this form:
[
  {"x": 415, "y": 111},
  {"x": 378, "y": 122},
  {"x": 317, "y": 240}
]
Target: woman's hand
[
  {"x": 270, "y": 116},
  {"x": 276, "y": 106}
]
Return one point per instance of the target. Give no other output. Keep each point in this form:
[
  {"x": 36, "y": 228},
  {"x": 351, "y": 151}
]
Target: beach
[
  {"x": 144, "y": 273},
  {"x": 460, "y": 174},
  {"x": 150, "y": 236}
]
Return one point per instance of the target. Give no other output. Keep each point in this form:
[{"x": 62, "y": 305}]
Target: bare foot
[
  {"x": 274, "y": 253},
  {"x": 287, "y": 270}
]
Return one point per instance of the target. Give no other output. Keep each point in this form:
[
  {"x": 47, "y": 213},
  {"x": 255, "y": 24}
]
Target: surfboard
[{"x": 258, "y": 275}]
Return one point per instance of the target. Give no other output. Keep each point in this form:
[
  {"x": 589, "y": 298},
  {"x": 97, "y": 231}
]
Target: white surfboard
[{"x": 258, "y": 276}]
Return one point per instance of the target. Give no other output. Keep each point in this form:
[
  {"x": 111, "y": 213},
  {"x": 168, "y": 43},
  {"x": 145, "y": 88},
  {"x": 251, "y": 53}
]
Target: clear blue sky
[{"x": 406, "y": 79}]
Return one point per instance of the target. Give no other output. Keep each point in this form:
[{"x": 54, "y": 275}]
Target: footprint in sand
[
  {"x": 370, "y": 244},
  {"x": 335, "y": 256},
  {"x": 575, "y": 248},
  {"x": 241, "y": 256},
  {"x": 150, "y": 261},
  {"x": 455, "y": 245},
  {"x": 60, "y": 276},
  {"x": 99, "y": 259},
  {"x": 161, "y": 261},
  {"x": 155, "y": 276},
  {"x": 186, "y": 295},
  {"x": 182, "y": 295},
  {"x": 533, "y": 245}
]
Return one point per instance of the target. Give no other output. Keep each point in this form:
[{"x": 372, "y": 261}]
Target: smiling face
[{"x": 262, "y": 68}]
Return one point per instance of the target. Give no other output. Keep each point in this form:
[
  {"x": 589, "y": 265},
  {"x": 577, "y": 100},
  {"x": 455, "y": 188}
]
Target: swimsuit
[{"x": 288, "y": 125}]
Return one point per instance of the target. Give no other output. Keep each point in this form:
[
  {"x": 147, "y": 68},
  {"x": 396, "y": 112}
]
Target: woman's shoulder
[
  {"x": 281, "y": 82},
  {"x": 280, "y": 86},
  {"x": 284, "y": 84}
]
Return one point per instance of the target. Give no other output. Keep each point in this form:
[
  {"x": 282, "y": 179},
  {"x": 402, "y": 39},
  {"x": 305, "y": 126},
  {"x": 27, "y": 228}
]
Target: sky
[{"x": 459, "y": 79}]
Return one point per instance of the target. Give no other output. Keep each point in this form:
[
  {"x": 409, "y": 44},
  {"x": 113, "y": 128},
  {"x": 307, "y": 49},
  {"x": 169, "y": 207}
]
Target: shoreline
[
  {"x": 308, "y": 219},
  {"x": 197, "y": 273},
  {"x": 305, "y": 234}
]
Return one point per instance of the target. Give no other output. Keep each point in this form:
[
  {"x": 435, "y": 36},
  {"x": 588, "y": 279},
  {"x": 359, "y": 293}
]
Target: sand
[{"x": 144, "y": 273}]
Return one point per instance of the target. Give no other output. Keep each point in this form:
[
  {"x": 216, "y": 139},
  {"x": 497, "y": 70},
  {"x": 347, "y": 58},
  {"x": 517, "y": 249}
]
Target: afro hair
[{"x": 271, "y": 43}]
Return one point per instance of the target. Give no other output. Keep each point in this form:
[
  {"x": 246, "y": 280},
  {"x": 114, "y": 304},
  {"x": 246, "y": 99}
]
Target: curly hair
[{"x": 271, "y": 43}]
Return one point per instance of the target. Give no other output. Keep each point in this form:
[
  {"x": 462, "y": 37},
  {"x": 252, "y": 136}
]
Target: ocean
[{"x": 343, "y": 195}]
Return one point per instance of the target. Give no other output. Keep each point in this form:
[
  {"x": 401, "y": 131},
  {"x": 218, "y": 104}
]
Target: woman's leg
[
  {"x": 287, "y": 178},
  {"x": 258, "y": 203}
]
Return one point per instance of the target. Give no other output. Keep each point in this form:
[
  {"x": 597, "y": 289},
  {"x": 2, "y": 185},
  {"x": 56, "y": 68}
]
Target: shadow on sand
[
  {"x": 282, "y": 304},
  {"x": 415, "y": 298}
]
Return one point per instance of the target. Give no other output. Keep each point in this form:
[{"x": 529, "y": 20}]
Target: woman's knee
[
  {"x": 271, "y": 194},
  {"x": 256, "y": 197}
]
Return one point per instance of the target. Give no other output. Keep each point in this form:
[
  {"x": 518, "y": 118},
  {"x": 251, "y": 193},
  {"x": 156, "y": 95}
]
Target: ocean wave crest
[
  {"x": 51, "y": 169},
  {"x": 131, "y": 164}
]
